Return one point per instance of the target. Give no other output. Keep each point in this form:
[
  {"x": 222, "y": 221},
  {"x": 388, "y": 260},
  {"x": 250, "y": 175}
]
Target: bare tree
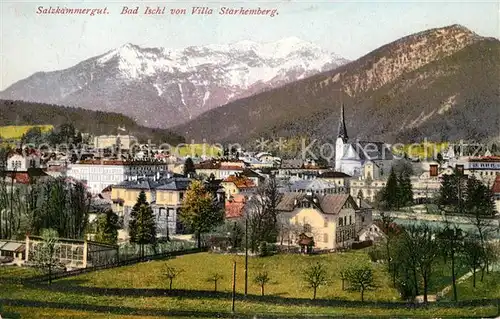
[
  {"x": 215, "y": 277},
  {"x": 44, "y": 256},
  {"x": 360, "y": 279},
  {"x": 473, "y": 254},
  {"x": 315, "y": 276},
  {"x": 450, "y": 241},
  {"x": 171, "y": 273},
  {"x": 262, "y": 278}
]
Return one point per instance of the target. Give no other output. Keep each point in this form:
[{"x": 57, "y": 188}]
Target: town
[{"x": 110, "y": 206}]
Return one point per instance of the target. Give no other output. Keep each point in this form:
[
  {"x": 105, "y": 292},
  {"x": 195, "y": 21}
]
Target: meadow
[
  {"x": 15, "y": 132},
  {"x": 142, "y": 290}
]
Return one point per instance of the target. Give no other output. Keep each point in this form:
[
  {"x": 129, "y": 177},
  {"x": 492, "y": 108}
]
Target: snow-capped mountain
[{"x": 162, "y": 87}]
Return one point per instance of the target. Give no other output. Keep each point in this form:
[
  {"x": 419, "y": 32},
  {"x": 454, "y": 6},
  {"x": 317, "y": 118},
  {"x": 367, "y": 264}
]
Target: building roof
[
  {"x": 240, "y": 181},
  {"x": 328, "y": 203},
  {"x": 24, "y": 177},
  {"x": 333, "y": 174},
  {"x": 173, "y": 183},
  {"x": 342, "y": 130},
  {"x": 13, "y": 246},
  {"x": 235, "y": 207},
  {"x": 176, "y": 184},
  {"x": 313, "y": 185},
  {"x": 485, "y": 159}
]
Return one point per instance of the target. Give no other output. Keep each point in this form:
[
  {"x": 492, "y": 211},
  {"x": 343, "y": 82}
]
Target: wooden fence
[{"x": 120, "y": 263}]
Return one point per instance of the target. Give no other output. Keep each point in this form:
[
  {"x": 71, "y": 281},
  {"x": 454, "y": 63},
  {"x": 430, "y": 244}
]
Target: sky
[{"x": 31, "y": 43}]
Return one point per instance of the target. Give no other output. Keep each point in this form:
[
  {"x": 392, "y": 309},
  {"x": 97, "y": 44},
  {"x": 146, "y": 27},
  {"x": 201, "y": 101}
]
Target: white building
[
  {"x": 21, "y": 163},
  {"x": 107, "y": 141},
  {"x": 350, "y": 158},
  {"x": 98, "y": 175}
]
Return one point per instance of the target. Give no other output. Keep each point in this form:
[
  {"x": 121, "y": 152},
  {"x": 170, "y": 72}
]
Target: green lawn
[
  {"x": 142, "y": 290},
  {"x": 486, "y": 289}
]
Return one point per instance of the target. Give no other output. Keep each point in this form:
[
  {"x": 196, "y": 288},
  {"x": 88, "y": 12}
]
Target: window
[
  {"x": 307, "y": 228},
  {"x": 325, "y": 224},
  {"x": 340, "y": 221},
  {"x": 362, "y": 219},
  {"x": 325, "y": 237},
  {"x": 350, "y": 219},
  {"x": 181, "y": 196}
]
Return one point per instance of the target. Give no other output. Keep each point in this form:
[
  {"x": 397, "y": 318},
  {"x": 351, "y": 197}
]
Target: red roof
[
  {"x": 496, "y": 185},
  {"x": 485, "y": 159},
  {"x": 240, "y": 181},
  {"x": 235, "y": 207}
]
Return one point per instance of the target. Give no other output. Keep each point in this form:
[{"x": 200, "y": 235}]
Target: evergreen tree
[
  {"x": 405, "y": 190},
  {"x": 198, "y": 211},
  {"x": 390, "y": 193},
  {"x": 479, "y": 198},
  {"x": 142, "y": 227},
  {"x": 189, "y": 167},
  {"x": 107, "y": 228},
  {"x": 452, "y": 192}
]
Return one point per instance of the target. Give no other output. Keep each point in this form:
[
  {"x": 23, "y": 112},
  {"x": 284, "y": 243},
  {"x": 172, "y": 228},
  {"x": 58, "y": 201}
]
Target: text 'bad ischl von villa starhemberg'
[{"x": 159, "y": 10}]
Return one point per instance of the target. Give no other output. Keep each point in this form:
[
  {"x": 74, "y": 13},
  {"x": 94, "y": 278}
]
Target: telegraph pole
[
  {"x": 246, "y": 256},
  {"x": 234, "y": 285}
]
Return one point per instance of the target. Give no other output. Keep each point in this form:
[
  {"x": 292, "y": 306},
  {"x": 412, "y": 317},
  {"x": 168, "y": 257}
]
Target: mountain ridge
[
  {"x": 312, "y": 104},
  {"x": 161, "y": 87}
]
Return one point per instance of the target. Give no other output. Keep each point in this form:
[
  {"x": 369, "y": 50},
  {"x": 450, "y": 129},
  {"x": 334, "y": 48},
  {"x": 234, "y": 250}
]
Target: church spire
[{"x": 342, "y": 128}]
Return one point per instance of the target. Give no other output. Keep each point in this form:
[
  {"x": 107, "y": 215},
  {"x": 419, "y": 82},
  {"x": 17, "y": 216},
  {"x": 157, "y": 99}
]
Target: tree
[
  {"x": 107, "y": 228},
  {"x": 390, "y": 193},
  {"x": 171, "y": 273},
  {"x": 142, "y": 227},
  {"x": 44, "y": 256},
  {"x": 215, "y": 277},
  {"x": 405, "y": 191},
  {"x": 262, "y": 278},
  {"x": 473, "y": 254},
  {"x": 450, "y": 240},
  {"x": 198, "y": 211},
  {"x": 360, "y": 279},
  {"x": 452, "y": 193},
  {"x": 315, "y": 276},
  {"x": 189, "y": 169},
  {"x": 262, "y": 214},
  {"x": 388, "y": 227}
]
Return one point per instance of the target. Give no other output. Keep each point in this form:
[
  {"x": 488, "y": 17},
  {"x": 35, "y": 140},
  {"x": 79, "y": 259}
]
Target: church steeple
[{"x": 342, "y": 132}]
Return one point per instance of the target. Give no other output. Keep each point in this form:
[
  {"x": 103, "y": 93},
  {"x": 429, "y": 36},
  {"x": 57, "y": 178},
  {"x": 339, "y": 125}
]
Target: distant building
[
  {"x": 125, "y": 142},
  {"x": 496, "y": 193},
  {"x": 98, "y": 175},
  {"x": 350, "y": 158},
  {"x": 237, "y": 184},
  {"x": 22, "y": 162}
]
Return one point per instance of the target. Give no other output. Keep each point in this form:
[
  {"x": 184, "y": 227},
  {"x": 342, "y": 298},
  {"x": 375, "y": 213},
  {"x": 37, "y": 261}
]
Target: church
[{"x": 368, "y": 160}]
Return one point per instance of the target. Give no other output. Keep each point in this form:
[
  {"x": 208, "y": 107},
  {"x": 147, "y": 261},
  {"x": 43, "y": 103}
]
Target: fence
[{"x": 120, "y": 263}]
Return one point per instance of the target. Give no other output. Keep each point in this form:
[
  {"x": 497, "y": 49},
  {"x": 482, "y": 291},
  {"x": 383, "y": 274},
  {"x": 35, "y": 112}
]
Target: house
[
  {"x": 338, "y": 178},
  {"x": 329, "y": 221},
  {"x": 351, "y": 158},
  {"x": 234, "y": 207},
  {"x": 124, "y": 142},
  {"x": 372, "y": 232},
  {"x": 257, "y": 178},
  {"x": 21, "y": 161},
  {"x": 315, "y": 186},
  {"x": 165, "y": 196},
  {"x": 12, "y": 251},
  {"x": 236, "y": 184}
]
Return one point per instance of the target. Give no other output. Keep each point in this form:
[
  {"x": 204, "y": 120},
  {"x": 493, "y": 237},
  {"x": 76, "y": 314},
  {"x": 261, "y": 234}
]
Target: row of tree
[
  {"x": 359, "y": 278},
  {"x": 58, "y": 204},
  {"x": 413, "y": 252}
]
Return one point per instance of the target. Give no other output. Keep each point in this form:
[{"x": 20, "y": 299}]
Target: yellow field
[
  {"x": 16, "y": 131},
  {"x": 422, "y": 150},
  {"x": 196, "y": 149}
]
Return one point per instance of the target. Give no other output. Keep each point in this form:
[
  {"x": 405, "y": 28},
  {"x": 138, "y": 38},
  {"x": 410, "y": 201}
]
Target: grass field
[
  {"x": 141, "y": 290},
  {"x": 196, "y": 149},
  {"x": 15, "y": 132}
]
